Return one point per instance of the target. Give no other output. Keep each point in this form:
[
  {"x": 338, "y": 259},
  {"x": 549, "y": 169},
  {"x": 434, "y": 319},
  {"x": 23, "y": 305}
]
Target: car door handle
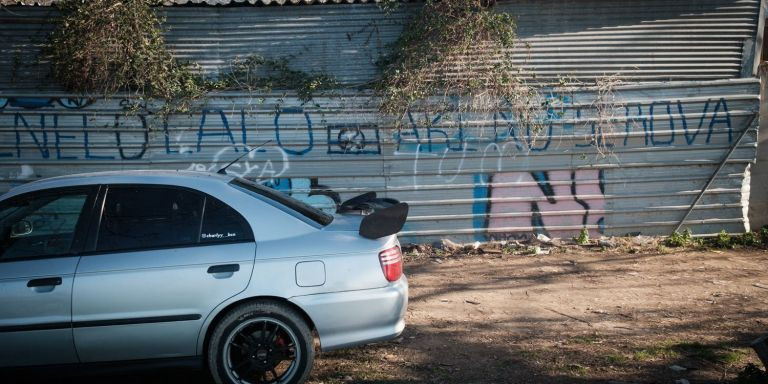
[
  {"x": 225, "y": 268},
  {"x": 47, "y": 282}
]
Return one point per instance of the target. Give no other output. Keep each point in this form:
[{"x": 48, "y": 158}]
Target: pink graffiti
[{"x": 555, "y": 203}]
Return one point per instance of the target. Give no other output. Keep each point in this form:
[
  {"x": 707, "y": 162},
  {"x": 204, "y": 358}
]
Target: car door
[
  {"x": 162, "y": 258},
  {"x": 40, "y": 234}
]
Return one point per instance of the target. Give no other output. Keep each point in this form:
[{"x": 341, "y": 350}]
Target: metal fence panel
[
  {"x": 635, "y": 40},
  {"x": 468, "y": 177},
  {"x": 477, "y": 180}
]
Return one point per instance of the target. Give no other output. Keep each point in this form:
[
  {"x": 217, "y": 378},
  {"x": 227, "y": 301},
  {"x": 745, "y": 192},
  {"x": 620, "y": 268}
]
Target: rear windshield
[{"x": 302, "y": 208}]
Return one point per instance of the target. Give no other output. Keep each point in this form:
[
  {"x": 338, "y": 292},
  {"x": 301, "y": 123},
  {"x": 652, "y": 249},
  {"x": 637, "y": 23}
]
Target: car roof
[{"x": 168, "y": 177}]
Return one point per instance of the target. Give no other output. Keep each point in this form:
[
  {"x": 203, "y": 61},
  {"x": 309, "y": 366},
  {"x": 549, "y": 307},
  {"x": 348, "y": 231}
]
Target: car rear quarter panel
[{"x": 351, "y": 265}]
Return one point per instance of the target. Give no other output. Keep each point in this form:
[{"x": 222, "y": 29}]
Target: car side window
[
  {"x": 140, "y": 217},
  {"x": 40, "y": 225},
  {"x": 222, "y": 223}
]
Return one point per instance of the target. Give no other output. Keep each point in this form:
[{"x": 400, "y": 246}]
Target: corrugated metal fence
[
  {"x": 466, "y": 177},
  {"x": 637, "y": 40}
]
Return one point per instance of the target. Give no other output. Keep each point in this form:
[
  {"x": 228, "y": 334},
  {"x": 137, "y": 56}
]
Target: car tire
[{"x": 264, "y": 342}]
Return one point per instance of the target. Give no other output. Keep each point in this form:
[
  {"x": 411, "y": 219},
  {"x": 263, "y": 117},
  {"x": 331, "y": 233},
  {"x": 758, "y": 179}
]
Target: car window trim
[
  {"x": 287, "y": 203},
  {"x": 92, "y": 241},
  {"x": 202, "y": 219},
  {"x": 83, "y": 221},
  {"x": 161, "y": 248},
  {"x": 95, "y": 223}
]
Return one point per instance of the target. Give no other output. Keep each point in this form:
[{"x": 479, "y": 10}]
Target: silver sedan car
[{"x": 140, "y": 265}]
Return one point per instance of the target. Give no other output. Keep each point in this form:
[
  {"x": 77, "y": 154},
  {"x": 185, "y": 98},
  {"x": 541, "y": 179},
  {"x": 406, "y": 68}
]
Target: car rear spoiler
[{"x": 384, "y": 216}]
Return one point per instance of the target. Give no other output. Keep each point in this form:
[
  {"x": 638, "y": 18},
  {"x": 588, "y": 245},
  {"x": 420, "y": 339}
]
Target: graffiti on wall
[
  {"x": 41, "y": 130},
  {"x": 552, "y": 203},
  {"x": 505, "y": 204},
  {"x": 253, "y": 165},
  {"x": 307, "y": 190}
]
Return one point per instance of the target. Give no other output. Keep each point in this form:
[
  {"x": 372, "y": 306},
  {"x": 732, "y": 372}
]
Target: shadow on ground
[{"x": 566, "y": 318}]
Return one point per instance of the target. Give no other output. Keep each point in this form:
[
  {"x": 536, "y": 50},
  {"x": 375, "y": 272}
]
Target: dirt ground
[{"x": 572, "y": 316}]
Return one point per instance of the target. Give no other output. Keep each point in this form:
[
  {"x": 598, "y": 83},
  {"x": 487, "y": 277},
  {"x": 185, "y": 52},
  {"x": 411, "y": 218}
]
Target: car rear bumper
[{"x": 345, "y": 319}]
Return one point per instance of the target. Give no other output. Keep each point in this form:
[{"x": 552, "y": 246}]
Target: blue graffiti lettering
[
  {"x": 462, "y": 139},
  {"x": 509, "y": 132},
  {"x": 627, "y": 127},
  {"x": 721, "y": 120},
  {"x": 437, "y": 139},
  {"x": 311, "y": 142},
  {"x": 31, "y": 102},
  {"x": 356, "y": 139},
  {"x": 167, "y": 139},
  {"x": 597, "y": 136},
  {"x": 671, "y": 140},
  {"x": 74, "y": 103},
  {"x": 144, "y": 145},
  {"x": 480, "y": 205},
  {"x": 243, "y": 130},
  {"x": 42, "y": 147},
  {"x": 413, "y": 132},
  {"x": 691, "y": 137},
  {"x": 87, "y": 146},
  {"x": 227, "y": 132},
  {"x": 59, "y": 137},
  {"x": 531, "y": 137}
]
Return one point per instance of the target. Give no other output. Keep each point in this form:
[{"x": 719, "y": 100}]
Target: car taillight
[{"x": 391, "y": 263}]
